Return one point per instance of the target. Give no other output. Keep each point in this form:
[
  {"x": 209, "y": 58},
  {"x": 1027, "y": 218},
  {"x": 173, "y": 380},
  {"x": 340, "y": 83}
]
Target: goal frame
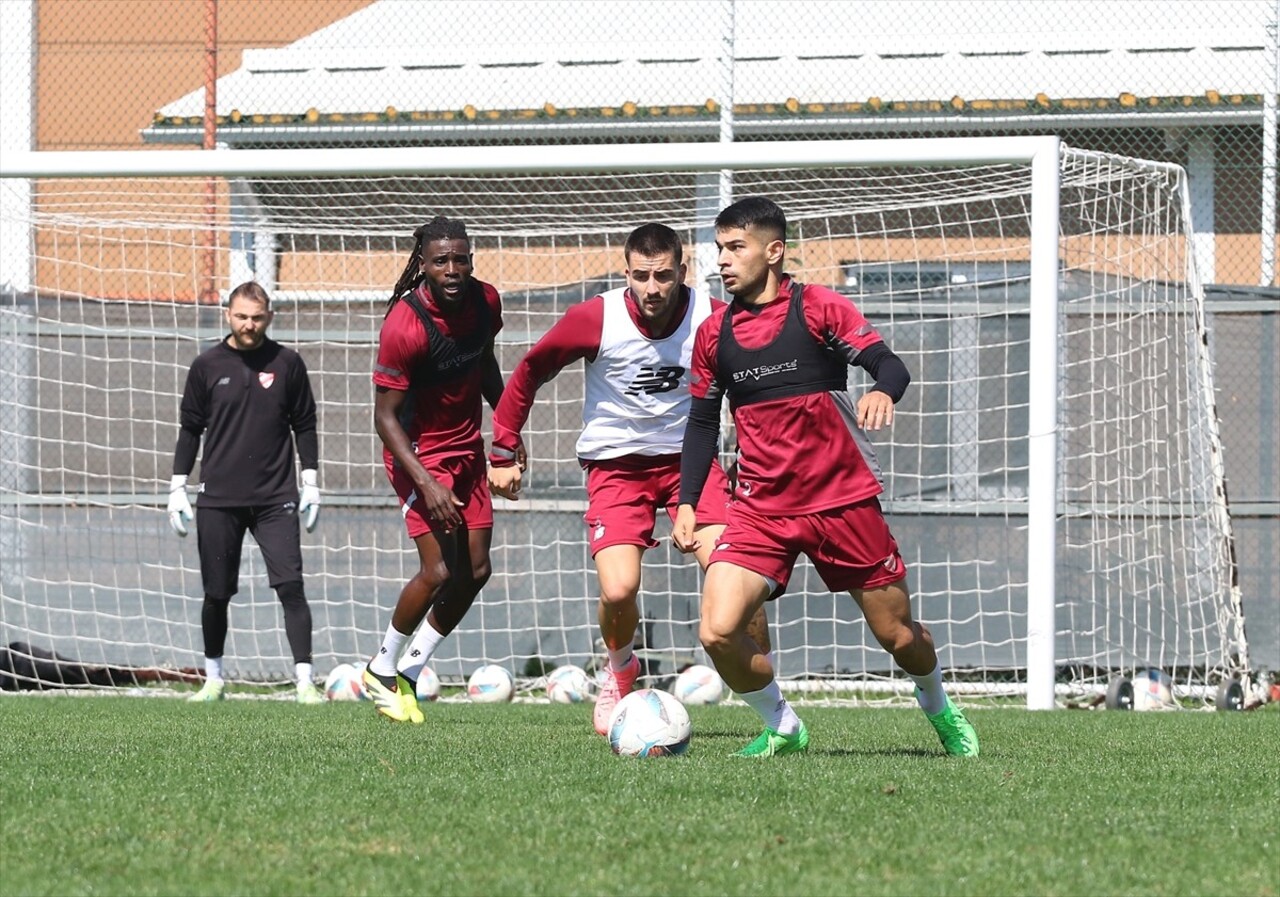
[{"x": 1041, "y": 153}]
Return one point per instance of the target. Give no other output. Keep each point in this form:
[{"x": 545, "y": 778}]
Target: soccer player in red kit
[
  {"x": 435, "y": 364},
  {"x": 636, "y": 342},
  {"x": 808, "y": 478}
]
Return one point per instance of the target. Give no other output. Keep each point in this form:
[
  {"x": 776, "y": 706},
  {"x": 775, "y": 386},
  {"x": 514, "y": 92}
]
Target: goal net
[{"x": 112, "y": 278}]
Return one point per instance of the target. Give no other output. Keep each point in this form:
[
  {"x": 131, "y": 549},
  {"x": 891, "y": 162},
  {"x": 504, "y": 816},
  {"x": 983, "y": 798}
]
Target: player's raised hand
[
  {"x": 505, "y": 481},
  {"x": 875, "y": 410},
  {"x": 179, "y": 505},
  {"x": 682, "y": 530},
  {"x": 309, "y": 501}
]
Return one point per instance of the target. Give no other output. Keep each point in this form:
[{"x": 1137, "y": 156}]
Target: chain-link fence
[{"x": 1189, "y": 83}]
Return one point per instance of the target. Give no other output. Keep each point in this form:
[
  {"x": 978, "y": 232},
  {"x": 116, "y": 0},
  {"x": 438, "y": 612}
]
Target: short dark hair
[
  {"x": 755, "y": 211},
  {"x": 251, "y": 290},
  {"x": 653, "y": 240}
]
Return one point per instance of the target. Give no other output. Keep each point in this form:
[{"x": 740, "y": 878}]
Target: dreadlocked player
[{"x": 435, "y": 364}]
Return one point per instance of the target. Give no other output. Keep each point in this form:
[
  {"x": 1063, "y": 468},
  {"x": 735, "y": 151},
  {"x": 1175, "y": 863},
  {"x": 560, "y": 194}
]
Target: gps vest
[{"x": 794, "y": 363}]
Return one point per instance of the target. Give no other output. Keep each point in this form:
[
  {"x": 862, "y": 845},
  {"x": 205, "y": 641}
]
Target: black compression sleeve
[
  {"x": 701, "y": 436},
  {"x": 892, "y": 376},
  {"x": 184, "y": 455},
  {"x": 308, "y": 449}
]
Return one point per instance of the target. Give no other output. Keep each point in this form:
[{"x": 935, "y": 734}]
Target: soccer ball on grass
[
  {"x": 491, "y": 684},
  {"x": 699, "y": 684},
  {"x": 649, "y": 723},
  {"x": 344, "y": 683},
  {"x": 568, "y": 684}
]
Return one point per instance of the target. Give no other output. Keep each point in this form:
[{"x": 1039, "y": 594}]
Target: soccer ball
[
  {"x": 1153, "y": 690},
  {"x": 649, "y": 723},
  {"x": 568, "y": 685},
  {"x": 490, "y": 684},
  {"x": 344, "y": 683},
  {"x": 428, "y": 685},
  {"x": 699, "y": 684}
]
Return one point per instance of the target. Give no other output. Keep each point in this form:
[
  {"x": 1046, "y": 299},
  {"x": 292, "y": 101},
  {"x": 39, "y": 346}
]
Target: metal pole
[
  {"x": 209, "y": 255},
  {"x": 1271, "y": 84}
]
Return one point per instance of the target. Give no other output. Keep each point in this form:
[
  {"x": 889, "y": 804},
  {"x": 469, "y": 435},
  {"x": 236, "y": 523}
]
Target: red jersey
[
  {"x": 803, "y": 453},
  {"x": 442, "y": 415}
]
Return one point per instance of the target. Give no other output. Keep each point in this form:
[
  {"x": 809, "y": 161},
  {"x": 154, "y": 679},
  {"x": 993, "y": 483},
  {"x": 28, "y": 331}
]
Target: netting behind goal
[{"x": 94, "y": 353}]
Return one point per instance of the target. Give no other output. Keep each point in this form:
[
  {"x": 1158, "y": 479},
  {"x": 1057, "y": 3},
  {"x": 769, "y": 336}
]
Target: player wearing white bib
[{"x": 637, "y": 343}]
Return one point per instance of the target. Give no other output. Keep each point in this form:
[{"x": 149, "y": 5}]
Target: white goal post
[{"x": 1054, "y": 475}]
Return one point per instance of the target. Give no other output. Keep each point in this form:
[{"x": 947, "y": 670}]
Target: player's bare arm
[{"x": 439, "y": 503}]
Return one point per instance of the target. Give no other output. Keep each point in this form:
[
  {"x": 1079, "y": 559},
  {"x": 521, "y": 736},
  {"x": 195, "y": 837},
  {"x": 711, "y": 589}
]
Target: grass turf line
[{"x": 116, "y": 795}]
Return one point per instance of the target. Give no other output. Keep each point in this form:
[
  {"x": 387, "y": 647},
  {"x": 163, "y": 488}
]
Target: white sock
[
  {"x": 213, "y": 668},
  {"x": 424, "y": 644},
  {"x": 303, "y": 672},
  {"x": 773, "y": 708},
  {"x": 384, "y": 662},
  {"x": 620, "y": 657},
  {"x": 930, "y": 695}
]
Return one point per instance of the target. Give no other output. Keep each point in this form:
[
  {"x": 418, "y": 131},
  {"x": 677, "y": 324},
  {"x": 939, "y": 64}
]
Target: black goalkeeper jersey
[{"x": 249, "y": 406}]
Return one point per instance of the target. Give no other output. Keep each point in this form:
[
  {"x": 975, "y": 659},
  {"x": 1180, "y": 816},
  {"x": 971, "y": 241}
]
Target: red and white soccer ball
[
  {"x": 568, "y": 684},
  {"x": 491, "y": 684},
  {"x": 344, "y": 683},
  {"x": 1153, "y": 690},
  {"x": 699, "y": 684},
  {"x": 649, "y": 723},
  {"x": 428, "y": 685}
]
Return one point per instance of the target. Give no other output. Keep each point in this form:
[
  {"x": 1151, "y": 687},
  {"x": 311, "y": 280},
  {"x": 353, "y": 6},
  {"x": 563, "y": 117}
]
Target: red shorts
[
  {"x": 850, "y": 546},
  {"x": 624, "y": 495},
  {"x": 465, "y": 476}
]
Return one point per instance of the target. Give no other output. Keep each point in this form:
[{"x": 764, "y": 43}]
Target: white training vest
[{"x": 637, "y": 389}]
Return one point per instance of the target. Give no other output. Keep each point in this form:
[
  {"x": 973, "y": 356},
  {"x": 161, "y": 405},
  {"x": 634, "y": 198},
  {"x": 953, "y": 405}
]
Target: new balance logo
[
  {"x": 891, "y": 563},
  {"x": 656, "y": 379},
  {"x": 415, "y": 653},
  {"x": 223, "y": 381}
]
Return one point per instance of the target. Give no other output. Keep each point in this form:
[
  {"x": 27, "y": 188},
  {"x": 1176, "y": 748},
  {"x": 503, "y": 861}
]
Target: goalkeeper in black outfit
[{"x": 250, "y": 398}]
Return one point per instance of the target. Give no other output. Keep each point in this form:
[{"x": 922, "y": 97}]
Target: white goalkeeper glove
[
  {"x": 309, "y": 501},
  {"x": 179, "y": 505}
]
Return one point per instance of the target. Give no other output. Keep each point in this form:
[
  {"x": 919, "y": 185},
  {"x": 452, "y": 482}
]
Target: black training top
[{"x": 245, "y": 404}]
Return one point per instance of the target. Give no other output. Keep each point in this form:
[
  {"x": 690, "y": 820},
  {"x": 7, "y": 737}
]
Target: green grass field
[{"x": 135, "y": 796}]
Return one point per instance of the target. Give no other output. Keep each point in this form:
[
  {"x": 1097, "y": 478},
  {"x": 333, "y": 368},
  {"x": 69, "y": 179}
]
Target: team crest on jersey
[{"x": 266, "y": 378}]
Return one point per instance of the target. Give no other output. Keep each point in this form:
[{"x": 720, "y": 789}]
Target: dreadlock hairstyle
[{"x": 438, "y": 228}]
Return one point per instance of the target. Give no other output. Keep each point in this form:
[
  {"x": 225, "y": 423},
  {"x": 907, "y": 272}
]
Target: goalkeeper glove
[
  {"x": 179, "y": 504},
  {"x": 309, "y": 500}
]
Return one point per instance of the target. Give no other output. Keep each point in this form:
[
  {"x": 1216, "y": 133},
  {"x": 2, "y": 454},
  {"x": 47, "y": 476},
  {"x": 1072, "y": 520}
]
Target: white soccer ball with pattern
[
  {"x": 568, "y": 684},
  {"x": 1153, "y": 690},
  {"x": 649, "y": 723},
  {"x": 491, "y": 684},
  {"x": 428, "y": 685},
  {"x": 699, "y": 684},
  {"x": 344, "y": 683}
]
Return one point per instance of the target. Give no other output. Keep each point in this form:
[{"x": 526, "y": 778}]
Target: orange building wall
[{"x": 103, "y": 67}]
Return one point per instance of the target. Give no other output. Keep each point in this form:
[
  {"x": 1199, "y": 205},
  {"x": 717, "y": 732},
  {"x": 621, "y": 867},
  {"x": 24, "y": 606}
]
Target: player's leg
[
  {"x": 758, "y": 626},
  {"x": 219, "y": 538},
  {"x": 618, "y": 570},
  {"x": 731, "y": 598},
  {"x": 381, "y": 678},
  {"x": 858, "y": 553},
  {"x": 623, "y": 496},
  {"x": 469, "y": 570},
  {"x": 887, "y": 610},
  {"x": 276, "y": 530}
]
